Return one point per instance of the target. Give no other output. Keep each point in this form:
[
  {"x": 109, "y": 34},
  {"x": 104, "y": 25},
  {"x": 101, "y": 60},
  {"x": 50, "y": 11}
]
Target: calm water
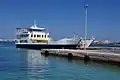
[{"x": 23, "y": 64}]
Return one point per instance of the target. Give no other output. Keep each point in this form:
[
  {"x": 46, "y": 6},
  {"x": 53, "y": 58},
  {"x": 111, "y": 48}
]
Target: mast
[{"x": 86, "y": 12}]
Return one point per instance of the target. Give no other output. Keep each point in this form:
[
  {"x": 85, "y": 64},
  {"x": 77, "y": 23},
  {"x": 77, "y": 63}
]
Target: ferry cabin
[{"x": 33, "y": 34}]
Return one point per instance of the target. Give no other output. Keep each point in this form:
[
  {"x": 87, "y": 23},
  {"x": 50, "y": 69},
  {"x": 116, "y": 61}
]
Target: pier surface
[{"x": 97, "y": 55}]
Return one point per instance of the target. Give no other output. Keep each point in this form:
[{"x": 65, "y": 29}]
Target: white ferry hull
[{"x": 59, "y": 45}]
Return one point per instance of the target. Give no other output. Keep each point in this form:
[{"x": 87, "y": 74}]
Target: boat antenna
[
  {"x": 35, "y": 23},
  {"x": 86, "y": 12}
]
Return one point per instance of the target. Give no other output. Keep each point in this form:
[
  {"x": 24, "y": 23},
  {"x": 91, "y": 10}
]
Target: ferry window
[
  {"x": 34, "y": 35},
  {"x": 37, "y": 35},
  {"x": 42, "y": 36},
  {"x": 31, "y": 35},
  {"x": 24, "y": 35}
]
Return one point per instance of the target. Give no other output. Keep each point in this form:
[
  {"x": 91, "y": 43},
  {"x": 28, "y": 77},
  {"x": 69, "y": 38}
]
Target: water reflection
[
  {"x": 36, "y": 65},
  {"x": 35, "y": 58}
]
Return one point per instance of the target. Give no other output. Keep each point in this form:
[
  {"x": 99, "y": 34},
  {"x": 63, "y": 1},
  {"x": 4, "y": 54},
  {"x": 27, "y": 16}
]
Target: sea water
[{"x": 26, "y": 64}]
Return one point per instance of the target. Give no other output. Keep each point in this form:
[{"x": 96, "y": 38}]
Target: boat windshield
[{"x": 36, "y": 30}]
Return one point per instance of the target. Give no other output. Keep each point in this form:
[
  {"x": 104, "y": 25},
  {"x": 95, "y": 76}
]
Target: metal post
[{"x": 86, "y": 6}]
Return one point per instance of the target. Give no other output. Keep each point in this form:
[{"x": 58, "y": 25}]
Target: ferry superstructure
[{"x": 35, "y": 37}]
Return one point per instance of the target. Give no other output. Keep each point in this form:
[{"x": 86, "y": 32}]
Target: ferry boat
[{"x": 36, "y": 37}]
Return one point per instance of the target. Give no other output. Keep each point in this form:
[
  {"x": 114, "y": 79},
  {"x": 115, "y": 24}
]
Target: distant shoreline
[
  {"x": 7, "y": 41},
  {"x": 100, "y": 42}
]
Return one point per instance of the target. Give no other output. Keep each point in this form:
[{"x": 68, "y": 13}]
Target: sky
[{"x": 62, "y": 18}]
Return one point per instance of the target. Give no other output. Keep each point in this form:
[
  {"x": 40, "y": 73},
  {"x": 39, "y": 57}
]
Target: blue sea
[{"x": 26, "y": 64}]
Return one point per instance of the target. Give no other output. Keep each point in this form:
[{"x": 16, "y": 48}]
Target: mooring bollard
[
  {"x": 46, "y": 53},
  {"x": 70, "y": 55},
  {"x": 86, "y": 57}
]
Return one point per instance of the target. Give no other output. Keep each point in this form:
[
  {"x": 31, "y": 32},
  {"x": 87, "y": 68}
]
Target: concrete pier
[{"x": 95, "y": 55}]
